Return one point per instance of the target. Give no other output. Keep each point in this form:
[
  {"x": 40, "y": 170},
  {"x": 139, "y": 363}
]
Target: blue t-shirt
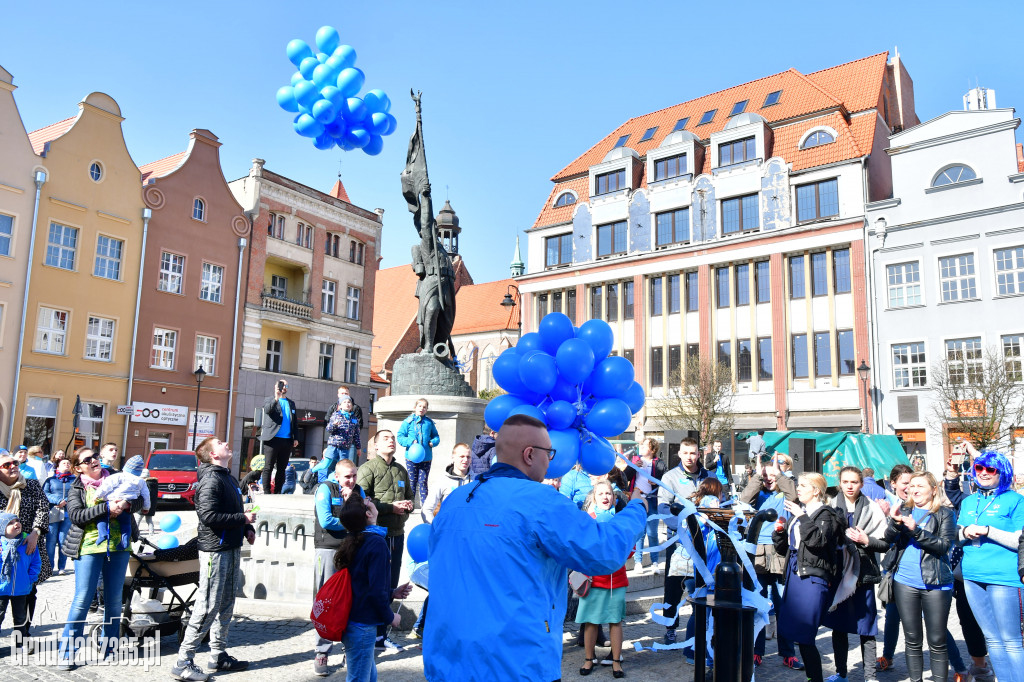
[
  {"x": 909, "y": 572},
  {"x": 286, "y": 419},
  {"x": 986, "y": 561}
]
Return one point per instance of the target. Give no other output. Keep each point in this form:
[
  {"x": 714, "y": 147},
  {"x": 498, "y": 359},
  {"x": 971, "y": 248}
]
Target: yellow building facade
[{"x": 84, "y": 283}]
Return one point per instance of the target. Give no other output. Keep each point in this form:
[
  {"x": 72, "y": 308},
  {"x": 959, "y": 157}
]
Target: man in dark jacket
[
  {"x": 223, "y": 523},
  {"x": 278, "y": 435},
  {"x": 483, "y": 452}
]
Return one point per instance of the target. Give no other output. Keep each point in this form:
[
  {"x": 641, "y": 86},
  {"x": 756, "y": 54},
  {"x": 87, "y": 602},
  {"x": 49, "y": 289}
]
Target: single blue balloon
[
  {"x": 555, "y": 329},
  {"x": 528, "y": 342},
  {"x": 600, "y": 337},
  {"x": 375, "y": 146},
  {"x": 307, "y": 126},
  {"x": 387, "y": 102},
  {"x": 350, "y": 81},
  {"x": 336, "y": 128},
  {"x": 307, "y": 66},
  {"x": 377, "y": 122},
  {"x": 529, "y": 410},
  {"x": 506, "y": 372},
  {"x": 563, "y": 390},
  {"x": 567, "y": 451},
  {"x": 612, "y": 377},
  {"x": 609, "y": 417},
  {"x": 333, "y": 95},
  {"x": 575, "y": 360},
  {"x": 560, "y": 415},
  {"x": 323, "y": 142},
  {"x": 415, "y": 453},
  {"x": 323, "y": 111},
  {"x": 170, "y": 523},
  {"x": 322, "y": 57},
  {"x": 375, "y": 101},
  {"x": 327, "y": 39},
  {"x": 497, "y": 410},
  {"x": 286, "y": 98},
  {"x": 357, "y": 136},
  {"x": 297, "y": 78},
  {"x": 346, "y": 54},
  {"x": 418, "y": 542},
  {"x": 635, "y": 397},
  {"x": 345, "y": 145},
  {"x": 538, "y": 372},
  {"x": 392, "y": 124},
  {"x": 167, "y": 541},
  {"x": 297, "y": 50},
  {"x": 353, "y": 110},
  {"x": 597, "y": 456},
  {"x": 323, "y": 76},
  {"x": 306, "y": 93}
]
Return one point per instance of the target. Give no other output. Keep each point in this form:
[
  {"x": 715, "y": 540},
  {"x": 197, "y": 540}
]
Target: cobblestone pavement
[{"x": 283, "y": 648}]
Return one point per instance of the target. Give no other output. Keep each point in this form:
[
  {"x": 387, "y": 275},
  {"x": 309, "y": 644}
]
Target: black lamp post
[
  {"x": 509, "y": 302},
  {"x": 862, "y": 372},
  {"x": 199, "y": 374}
]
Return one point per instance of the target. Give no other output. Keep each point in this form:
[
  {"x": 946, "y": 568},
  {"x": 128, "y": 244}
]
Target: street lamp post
[
  {"x": 510, "y": 303},
  {"x": 199, "y": 374},
  {"x": 862, "y": 372}
]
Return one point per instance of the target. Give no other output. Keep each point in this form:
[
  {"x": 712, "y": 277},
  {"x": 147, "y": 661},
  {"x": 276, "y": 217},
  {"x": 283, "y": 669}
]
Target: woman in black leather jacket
[{"x": 923, "y": 535}]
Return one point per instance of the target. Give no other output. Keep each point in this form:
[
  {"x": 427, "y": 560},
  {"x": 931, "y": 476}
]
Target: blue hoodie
[{"x": 26, "y": 568}]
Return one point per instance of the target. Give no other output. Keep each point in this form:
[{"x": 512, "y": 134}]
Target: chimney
[{"x": 979, "y": 99}]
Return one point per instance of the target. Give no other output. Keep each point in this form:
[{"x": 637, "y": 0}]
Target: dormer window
[
  {"x": 610, "y": 182},
  {"x": 737, "y": 152},
  {"x": 672, "y": 167},
  {"x": 621, "y": 142},
  {"x": 738, "y": 107},
  {"x": 649, "y": 133},
  {"x": 953, "y": 174},
  {"x": 772, "y": 98},
  {"x": 680, "y": 124},
  {"x": 818, "y": 138},
  {"x": 565, "y": 199},
  {"x": 707, "y": 117}
]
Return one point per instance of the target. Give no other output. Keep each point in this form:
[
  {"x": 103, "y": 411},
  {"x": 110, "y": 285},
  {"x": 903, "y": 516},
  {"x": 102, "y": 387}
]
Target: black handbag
[{"x": 886, "y": 593}]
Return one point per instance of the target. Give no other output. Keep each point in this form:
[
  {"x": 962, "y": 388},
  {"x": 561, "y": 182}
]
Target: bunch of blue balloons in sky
[
  {"x": 324, "y": 95},
  {"x": 565, "y": 377}
]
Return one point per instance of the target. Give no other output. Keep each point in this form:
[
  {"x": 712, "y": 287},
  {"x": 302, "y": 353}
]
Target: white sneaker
[{"x": 657, "y": 569}]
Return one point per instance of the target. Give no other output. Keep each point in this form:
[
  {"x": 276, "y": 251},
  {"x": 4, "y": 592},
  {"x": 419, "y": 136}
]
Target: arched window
[
  {"x": 565, "y": 199},
  {"x": 198, "y": 209},
  {"x": 818, "y": 138},
  {"x": 952, "y": 174}
]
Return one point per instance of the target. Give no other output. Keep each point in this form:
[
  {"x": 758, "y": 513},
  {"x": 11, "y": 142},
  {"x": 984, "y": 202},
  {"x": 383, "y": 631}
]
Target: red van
[{"x": 175, "y": 472}]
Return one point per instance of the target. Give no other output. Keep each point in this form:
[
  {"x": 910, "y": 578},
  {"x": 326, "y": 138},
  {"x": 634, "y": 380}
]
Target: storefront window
[{"x": 40, "y": 420}]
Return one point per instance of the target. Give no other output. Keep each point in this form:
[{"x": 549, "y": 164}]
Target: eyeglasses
[
  {"x": 981, "y": 468},
  {"x": 87, "y": 460},
  {"x": 9, "y": 465},
  {"x": 550, "y": 451}
]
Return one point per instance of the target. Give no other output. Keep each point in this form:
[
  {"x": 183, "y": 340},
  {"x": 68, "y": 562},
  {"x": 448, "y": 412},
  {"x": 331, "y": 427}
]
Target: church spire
[{"x": 517, "y": 267}]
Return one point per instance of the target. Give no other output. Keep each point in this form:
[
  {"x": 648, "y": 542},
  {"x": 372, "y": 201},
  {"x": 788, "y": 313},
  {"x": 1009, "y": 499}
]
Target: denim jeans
[
  {"x": 55, "y": 540},
  {"x": 359, "y": 640},
  {"x": 88, "y": 570},
  {"x": 956, "y": 661},
  {"x": 997, "y": 608},
  {"x": 652, "y": 527},
  {"x": 421, "y": 619}
]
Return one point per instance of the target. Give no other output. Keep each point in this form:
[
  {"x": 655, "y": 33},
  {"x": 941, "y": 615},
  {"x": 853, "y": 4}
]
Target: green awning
[{"x": 844, "y": 448}]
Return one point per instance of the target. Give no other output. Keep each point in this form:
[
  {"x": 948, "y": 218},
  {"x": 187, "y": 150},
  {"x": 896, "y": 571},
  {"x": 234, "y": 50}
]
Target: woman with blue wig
[{"x": 990, "y": 527}]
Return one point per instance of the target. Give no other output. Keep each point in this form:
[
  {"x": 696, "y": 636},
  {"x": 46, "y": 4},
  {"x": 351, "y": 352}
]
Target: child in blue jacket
[
  {"x": 18, "y": 572},
  {"x": 419, "y": 428}
]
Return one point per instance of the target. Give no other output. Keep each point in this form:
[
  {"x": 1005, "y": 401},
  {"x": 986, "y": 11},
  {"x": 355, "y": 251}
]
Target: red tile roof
[
  {"x": 338, "y": 192},
  {"x": 478, "y": 308},
  {"x": 1020, "y": 158},
  {"x": 40, "y": 137},
  {"x": 376, "y": 378},
  {"x": 847, "y": 88},
  {"x": 162, "y": 167}
]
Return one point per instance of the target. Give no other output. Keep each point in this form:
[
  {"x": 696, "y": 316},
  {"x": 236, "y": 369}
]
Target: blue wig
[{"x": 999, "y": 462}]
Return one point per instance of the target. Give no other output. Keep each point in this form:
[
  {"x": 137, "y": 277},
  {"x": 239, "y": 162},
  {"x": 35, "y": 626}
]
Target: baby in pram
[{"x": 127, "y": 484}]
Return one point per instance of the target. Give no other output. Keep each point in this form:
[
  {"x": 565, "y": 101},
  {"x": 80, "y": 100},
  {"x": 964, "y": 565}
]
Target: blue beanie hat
[
  {"x": 5, "y": 520},
  {"x": 134, "y": 466}
]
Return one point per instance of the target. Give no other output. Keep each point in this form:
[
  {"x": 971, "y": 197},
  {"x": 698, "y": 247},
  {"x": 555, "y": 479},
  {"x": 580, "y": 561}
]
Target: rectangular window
[
  {"x": 649, "y": 133},
  {"x": 621, "y": 142},
  {"x": 212, "y": 284},
  {"x": 606, "y": 183},
  {"x": 309, "y": 237},
  {"x": 570, "y": 304},
  {"x": 1012, "y": 355},
  {"x": 796, "y": 277},
  {"x": 108, "y": 258},
  {"x": 707, "y": 117},
  {"x": 51, "y": 331},
  {"x": 99, "y": 339},
  {"x": 672, "y": 227},
  {"x": 629, "y": 354},
  {"x": 164, "y": 343},
  {"x": 300, "y": 232},
  {"x": 611, "y": 239},
  {"x": 1010, "y": 271},
  {"x": 725, "y": 354},
  {"x": 328, "y": 297},
  {"x": 6, "y": 234},
  {"x": 844, "y": 347},
  {"x": 60, "y": 246},
  {"x": 680, "y": 124},
  {"x": 672, "y": 167},
  {"x": 172, "y": 267},
  {"x": 351, "y": 365},
  {"x": 278, "y": 286},
  {"x": 325, "y": 364},
  {"x": 956, "y": 274},
  {"x": 772, "y": 98},
  {"x": 722, "y": 287},
  {"x": 763, "y": 282},
  {"x": 656, "y": 301},
  {"x": 353, "y": 298},
  {"x": 736, "y": 152},
  {"x": 674, "y": 364},
  {"x": 743, "y": 360},
  {"x": 963, "y": 359},
  {"x": 692, "y": 351},
  {"x": 822, "y": 354},
  {"x": 657, "y": 368},
  {"x": 91, "y": 429},
  {"x": 692, "y": 292},
  {"x": 542, "y": 306},
  {"x": 558, "y": 250},
  {"x": 904, "y": 284},
  {"x": 738, "y": 108},
  {"x": 613, "y": 302},
  {"x": 817, "y": 200},
  {"x": 627, "y": 300},
  {"x": 764, "y": 358},
  {"x": 556, "y": 302},
  {"x": 800, "y": 356},
  {"x": 841, "y": 271},
  {"x": 740, "y": 215},
  {"x": 206, "y": 354},
  {"x": 673, "y": 294},
  {"x": 40, "y": 420},
  {"x": 273, "y": 355},
  {"x": 597, "y": 303},
  {"x": 742, "y": 278},
  {"x": 819, "y": 274},
  {"x": 909, "y": 366}
]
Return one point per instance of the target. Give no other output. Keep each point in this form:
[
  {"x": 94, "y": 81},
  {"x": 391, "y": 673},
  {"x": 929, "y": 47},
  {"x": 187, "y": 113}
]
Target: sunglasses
[
  {"x": 982, "y": 469},
  {"x": 87, "y": 460},
  {"x": 9, "y": 465}
]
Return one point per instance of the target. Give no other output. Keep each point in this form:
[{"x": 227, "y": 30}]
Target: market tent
[{"x": 844, "y": 448}]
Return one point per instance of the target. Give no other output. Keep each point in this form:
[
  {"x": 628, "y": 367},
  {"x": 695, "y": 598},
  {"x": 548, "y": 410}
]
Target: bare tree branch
[{"x": 700, "y": 399}]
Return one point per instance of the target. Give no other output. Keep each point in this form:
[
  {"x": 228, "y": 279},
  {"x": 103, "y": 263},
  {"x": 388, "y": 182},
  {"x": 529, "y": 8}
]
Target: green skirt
[{"x": 602, "y": 606}]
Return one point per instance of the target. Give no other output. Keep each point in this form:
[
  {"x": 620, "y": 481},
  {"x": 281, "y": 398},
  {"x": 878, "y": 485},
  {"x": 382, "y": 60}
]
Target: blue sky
[{"x": 512, "y": 91}]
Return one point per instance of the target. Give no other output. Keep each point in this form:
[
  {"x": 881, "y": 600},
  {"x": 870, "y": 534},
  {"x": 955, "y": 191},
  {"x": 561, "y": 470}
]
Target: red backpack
[{"x": 332, "y": 605}]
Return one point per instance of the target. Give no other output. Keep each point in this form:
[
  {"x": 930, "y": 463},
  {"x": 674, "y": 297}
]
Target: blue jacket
[
  {"x": 576, "y": 486},
  {"x": 499, "y": 558},
  {"x": 483, "y": 455},
  {"x": 370, "y": 573},
  {"x": 872, "y": 490},
  {"x": 56, "y": 490},
  {"x": 419, "y": 429},
  {"x": 290, "y": 478},
  {"x": 26, "y": 571},
  {"x": 322, "y": 505}
]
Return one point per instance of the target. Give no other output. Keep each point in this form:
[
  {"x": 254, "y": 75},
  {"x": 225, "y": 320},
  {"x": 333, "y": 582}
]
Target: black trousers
[
  {"x": 396, "y": 543},
  {"x": 673, "y": 588},
  {"x": 841, "y": 653},
  {"x": 930, "y": 607},
  {"x": 280, "y": 450},
  {"x": 19, "y": 611}
]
